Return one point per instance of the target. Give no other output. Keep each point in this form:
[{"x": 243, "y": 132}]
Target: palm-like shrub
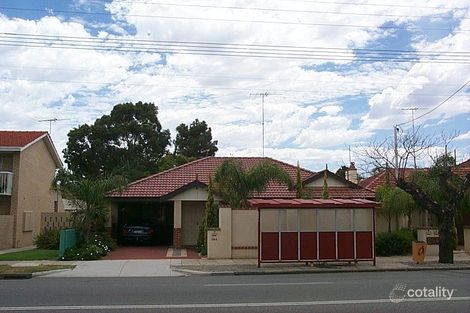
[
  {"x": 89, "y": 198},
  {"x": 235, "y": 184}
]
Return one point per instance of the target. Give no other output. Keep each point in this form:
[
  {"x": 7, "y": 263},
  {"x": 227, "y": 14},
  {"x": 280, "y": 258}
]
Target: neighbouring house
[
  {"x": 419, "y": 218},
  {"x": 174, "y": 200},
  {"x": 28, "y": 162}
]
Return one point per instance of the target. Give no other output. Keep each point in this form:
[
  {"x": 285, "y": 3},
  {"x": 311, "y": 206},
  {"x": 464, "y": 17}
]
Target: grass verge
[
  {"x": 30, "y": 255},
  {"x": 7, "y": 269}
]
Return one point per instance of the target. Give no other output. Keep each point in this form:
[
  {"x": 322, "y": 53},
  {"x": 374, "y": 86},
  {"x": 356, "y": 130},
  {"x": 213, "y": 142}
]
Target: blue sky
[{"x": 316, "y": 108}]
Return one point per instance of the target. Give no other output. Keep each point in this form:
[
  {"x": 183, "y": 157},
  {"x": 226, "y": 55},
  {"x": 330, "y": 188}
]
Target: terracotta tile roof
[
  {"x": 462, "y": 169},
  {"x": 19, "y": 139},
  {"x": 312, "y": 203},
  {"x": 172, "y": 180},
  {"x": 177, "y": 179},
  {"x": 341, "y": 192},
  {"x": 379, "y": 179}
]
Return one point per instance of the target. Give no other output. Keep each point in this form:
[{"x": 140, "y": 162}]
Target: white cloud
[{"x": 306, "y": 115}]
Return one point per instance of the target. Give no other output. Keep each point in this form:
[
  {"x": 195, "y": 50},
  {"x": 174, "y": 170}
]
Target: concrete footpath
[
  {"x": 249, "y": 267},
  {"x": 183, "y": 267}
]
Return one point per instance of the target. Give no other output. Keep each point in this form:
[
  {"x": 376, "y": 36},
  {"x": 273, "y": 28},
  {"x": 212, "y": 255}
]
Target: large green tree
[
  {"x": 235, "y": 184},
  {"x": 441, "y": 192},
  {"x": 129, "y": 141},
  {"x": 393, "y": 203},
  {"x": 438, "y": 189},
  {"x": 195, "y": 140}
]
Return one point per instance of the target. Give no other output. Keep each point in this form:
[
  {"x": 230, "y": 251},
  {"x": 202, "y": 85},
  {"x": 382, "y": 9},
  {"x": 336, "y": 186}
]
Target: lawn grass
[
  {"x": 7, "y": 269},
  {"x": 30, "y": 255}
]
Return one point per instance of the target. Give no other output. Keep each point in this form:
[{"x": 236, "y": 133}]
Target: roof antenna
[
  {"x": 349, "y": 148},
  {"x": 50, "y": 120}
]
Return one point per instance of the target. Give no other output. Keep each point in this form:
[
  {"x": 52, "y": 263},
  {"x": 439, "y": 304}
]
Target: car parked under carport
[{"x": 148, "y": 223}]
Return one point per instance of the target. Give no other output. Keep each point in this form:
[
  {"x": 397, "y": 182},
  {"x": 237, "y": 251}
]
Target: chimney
[{"x": 351, "y": 173}]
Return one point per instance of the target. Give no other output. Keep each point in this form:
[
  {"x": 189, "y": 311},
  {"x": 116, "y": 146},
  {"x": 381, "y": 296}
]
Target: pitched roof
[
  {"x": 19, "y": 139},
  {"x": 320, "y": 175},
  {"x": 462, "y": 169},
  {"x": 169, "y": 181},
  {"x": 375, "y": 181},
  {"x": 341, "y": 192},
  {"x": 180, "y": 178},
  {"x": 379, "y": 179},
  {"x": 312, "y": 203}
]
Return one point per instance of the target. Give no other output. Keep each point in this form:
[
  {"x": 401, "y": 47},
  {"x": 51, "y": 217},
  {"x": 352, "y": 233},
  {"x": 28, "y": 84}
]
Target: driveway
[
  {"x": 150, "y": 253},
  {"x": 120, "y": 268}
]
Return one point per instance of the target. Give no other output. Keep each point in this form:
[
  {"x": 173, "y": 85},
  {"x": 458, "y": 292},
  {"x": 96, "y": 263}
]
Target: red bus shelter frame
[{"x": 261, "y": 204}]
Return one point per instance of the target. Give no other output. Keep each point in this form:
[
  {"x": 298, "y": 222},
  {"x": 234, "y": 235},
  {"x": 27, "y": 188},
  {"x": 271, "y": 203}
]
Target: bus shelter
[{"x": 315, "y": 230}]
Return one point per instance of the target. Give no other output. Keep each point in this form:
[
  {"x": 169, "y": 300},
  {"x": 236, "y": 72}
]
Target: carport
[
  {"x": 315, "y": 230},
  {"x": 158, "y": 215}
]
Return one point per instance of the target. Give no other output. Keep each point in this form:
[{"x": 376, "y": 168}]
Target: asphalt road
[{"x": 338, "y": 292}]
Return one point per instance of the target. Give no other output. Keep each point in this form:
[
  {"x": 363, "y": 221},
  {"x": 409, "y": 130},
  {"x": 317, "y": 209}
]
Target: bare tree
[{"x": 435, "y": 189}]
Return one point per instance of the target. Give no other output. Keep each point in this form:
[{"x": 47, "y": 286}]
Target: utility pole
[
  {"x": 262, "y": 94},
  {"x": 413, "y": 109},
  {"x": 395, "y": 144},
  {"x": 50, "y": 120}
]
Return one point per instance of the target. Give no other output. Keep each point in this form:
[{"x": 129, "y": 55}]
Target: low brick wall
[
  {"x": 6, "y": 231},
  {"x": 55, "y": 220}
]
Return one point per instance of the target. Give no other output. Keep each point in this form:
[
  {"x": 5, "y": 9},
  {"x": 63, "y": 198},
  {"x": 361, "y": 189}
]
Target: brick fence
[{"x": 56, "y": 220}]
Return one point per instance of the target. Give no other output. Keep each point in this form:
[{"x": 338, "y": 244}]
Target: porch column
[{"x": 177, "y": 239}]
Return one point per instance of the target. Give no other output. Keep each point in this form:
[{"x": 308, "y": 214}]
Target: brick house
[
  {"x": 174, "y": 200},
  {"x": 28, "y": 162}
]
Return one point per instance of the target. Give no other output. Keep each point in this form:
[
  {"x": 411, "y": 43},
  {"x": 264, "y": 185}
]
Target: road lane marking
[
  {"x": 270, "y": 284},
  {"x": 220, "y": 305}
]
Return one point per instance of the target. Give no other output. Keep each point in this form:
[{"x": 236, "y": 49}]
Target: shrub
[
  {"x": 105, "y": 241},
  {"x": 48, "y": 239},
  {"x": 84, "y": 253},
  {"x": 394, "y": 243},
  {"x": 98, "y": 247}
]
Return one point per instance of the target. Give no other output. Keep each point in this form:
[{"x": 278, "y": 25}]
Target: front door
[{"x": 192, "y": 212}]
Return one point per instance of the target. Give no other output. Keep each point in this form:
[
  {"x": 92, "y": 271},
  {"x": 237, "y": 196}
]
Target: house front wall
[
  {"x": 34, "y": 170},
  {"x": 188, "y": 208}
]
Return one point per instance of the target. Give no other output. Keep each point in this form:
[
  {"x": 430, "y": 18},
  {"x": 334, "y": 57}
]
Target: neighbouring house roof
[
  {"x": 379, "y": 179},
  {"x": 462, "y": 169},
  {"x": 168, "y": 183},
  {"x": 17, "y": 141},
  {"x": 375, "y": 181},
  {"x": 341, "y": 192},
  {"x": 312, "y": 203}
]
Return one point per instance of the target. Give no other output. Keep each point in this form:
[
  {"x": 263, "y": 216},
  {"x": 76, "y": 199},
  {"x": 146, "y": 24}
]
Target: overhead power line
[
  {"x": 439, "y": 105},
  {"x": 269, "y": 47},
  {"x": 226, "y": 49},
  {"x": 333, "y": 2},
  {"x": 218, "y": 7},
  {"x": 233, "y": 20}
]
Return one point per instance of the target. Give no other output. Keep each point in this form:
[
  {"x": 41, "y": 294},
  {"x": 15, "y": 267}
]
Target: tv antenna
[
  {"x": 51, "y": 120},
  {"x": 413, "y": 109},
  {"x": 263, "y": 95}
]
